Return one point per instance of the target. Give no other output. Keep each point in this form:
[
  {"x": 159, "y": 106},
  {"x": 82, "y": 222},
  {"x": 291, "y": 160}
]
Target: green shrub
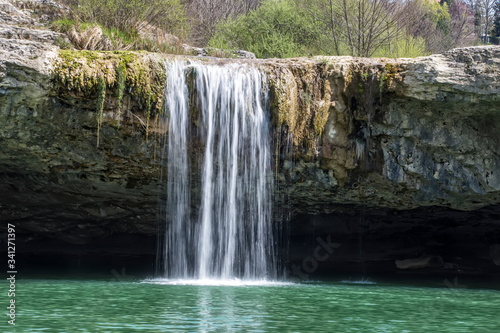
[
  {"x": 131, "y": 15},
  {"x": 405, "y": 47},
  {"x": 276, "y": 29},
  {"x": 93, "y": 36},
  {"x": 63, "y": 25}
]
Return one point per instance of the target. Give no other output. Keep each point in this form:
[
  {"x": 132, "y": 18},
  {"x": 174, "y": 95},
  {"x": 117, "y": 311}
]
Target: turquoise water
[{"x": 152, "y": 306}]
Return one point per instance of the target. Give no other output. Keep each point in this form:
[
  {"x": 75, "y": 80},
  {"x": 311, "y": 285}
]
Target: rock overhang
[{"x": 380, "y": 133}]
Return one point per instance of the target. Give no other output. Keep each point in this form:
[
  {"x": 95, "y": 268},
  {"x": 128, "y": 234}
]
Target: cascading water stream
[{"x": 218, "y": 113}]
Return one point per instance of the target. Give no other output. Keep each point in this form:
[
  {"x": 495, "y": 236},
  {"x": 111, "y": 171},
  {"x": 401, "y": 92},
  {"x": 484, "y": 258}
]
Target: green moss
[
  {"x": 321, "y": 116},
  {"x": 101, "y": 96},
  {"x": 361, "y": 88},
  {"x": 301, "y": 99},
  {"x": 388, "y": 74},
  {"x": 82, "y": 74},
  {"x": 79, "y": 72},
  {"x": 391, "y": 71},
  {"x": 120, "y": 88},
  {"x": 382, "y": 83},
  {"x": 148, "y": 114}
]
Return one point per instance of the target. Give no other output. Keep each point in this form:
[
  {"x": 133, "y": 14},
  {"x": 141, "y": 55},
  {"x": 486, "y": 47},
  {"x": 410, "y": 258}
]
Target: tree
[
  {"x": 427, "y": 20},
  {"x": 207, "y": 14},
  {"x": 130, "y": 15},
  {"x": 462, "y": 23},
  {"x": 356, "y": 27},
  {"x": 488, "y": 12},
  {"x": 496, "y": 23},
  {"x": 484, "y": 11},
  {"x": 363, "y": 28},
  {"x": 275, "y": 29},
  {"x": 325, "y": 14}
]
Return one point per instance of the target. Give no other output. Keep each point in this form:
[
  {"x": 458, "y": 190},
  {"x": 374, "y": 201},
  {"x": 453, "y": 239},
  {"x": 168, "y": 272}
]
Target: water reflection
[
  {"x": 222, "y": 309},
  {"x": 204, "y": 297}
]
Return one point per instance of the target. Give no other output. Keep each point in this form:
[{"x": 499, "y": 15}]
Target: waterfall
[{"x": 218, "y": 195}]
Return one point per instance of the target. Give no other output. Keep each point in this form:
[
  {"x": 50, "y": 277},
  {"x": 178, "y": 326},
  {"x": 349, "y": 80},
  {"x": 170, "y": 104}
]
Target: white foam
[
  {"x": 217, "y": 282},
  {"x": 362, "y": 281}
]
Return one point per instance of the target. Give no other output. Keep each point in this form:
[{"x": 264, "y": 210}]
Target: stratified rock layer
[{"x": 399, "y": 133}]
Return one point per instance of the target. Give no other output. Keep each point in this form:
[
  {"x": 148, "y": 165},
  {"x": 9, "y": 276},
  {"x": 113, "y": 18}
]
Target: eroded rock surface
[{"x": 399, "y": 133}]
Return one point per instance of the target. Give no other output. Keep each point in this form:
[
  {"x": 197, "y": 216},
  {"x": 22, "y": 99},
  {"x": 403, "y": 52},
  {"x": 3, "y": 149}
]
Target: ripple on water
[{"x": 217, "y": 282}]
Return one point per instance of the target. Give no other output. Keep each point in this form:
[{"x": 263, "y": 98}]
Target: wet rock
[
  {"x": 399, "y": 133},
  {"x": 495, "y": 254},
  {"x": 372, "y": 240},
  {"x": 422, "y": 262}
]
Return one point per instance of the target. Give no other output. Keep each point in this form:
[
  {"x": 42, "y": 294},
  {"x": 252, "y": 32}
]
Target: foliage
[
  {"x": 366, "y": 28},
  {"x": 496, "y": 23},
  {"x": 439, "y": 15},
  {"x": 358, "y": 27},
  {"x": 93, "y": 36},
  {"x": 278, "y": 28},
  {"x": 275, "y": 29},
  {"x": 63, "y": 25},
  {"x": 131, "y": 15},
  {"x": 430, "y": 21},
  {"x": 205, "y": 16},
  {"x": 125, "y": 25},
  {"x": 334, "y": 27},
  {"x": 404, "y": 47}
]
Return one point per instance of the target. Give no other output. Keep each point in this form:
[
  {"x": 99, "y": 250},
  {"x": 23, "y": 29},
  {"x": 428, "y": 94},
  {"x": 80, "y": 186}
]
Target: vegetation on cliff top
[
  {"x": 151, "y": 25},
  {"x": 364, "y": 28},
  {"x": 283, "y": 28}
]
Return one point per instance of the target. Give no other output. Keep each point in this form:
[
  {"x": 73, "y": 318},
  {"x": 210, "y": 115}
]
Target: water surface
[{"x": 161, "y": 306}]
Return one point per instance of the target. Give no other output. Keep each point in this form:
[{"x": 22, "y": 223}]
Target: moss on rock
[
  {"x": 142, "y": 73},
  {"x": 301, "y": 99},
  {"x": 109, "y": 75}
]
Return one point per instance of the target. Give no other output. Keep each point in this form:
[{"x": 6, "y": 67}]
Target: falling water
[{"x": 218, "y": 206}]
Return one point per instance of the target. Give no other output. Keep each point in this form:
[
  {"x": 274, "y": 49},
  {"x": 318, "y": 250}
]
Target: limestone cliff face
[
  {"x": 380, "y": 133},
  {"x": 389, "y": 133},
  {"x": 53, "y": 177}
]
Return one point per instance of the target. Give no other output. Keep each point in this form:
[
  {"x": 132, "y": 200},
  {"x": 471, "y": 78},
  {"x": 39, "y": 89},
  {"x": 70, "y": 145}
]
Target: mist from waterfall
[{"x": 217, "y": 158}]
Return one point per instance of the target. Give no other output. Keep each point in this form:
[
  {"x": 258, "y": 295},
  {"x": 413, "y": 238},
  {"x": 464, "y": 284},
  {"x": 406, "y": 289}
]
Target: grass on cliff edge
[
  {"x": 110, "y": 25},
  {"x": 95, "y": 37}
]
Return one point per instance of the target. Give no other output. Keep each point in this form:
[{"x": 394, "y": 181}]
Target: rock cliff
[
  {"x": 390, "y": 133},
  {"x": 81, "y": 135}
]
